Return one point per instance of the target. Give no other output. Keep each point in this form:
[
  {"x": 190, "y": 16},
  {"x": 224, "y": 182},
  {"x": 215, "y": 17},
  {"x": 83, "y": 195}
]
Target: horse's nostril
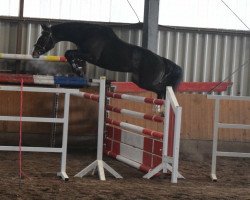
[{"x": 35, "y": 54}]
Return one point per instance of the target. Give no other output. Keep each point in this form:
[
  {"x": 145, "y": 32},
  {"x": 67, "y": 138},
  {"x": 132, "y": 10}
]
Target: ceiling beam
[{"x": 150, "y": 25}]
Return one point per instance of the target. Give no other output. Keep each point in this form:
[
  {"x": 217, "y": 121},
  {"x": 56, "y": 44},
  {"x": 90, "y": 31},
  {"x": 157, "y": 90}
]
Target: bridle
[{"x": 50, "y": 37}]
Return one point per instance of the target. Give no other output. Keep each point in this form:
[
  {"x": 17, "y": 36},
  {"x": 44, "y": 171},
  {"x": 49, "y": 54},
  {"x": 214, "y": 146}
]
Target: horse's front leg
[{"x": 76, "y": 60}]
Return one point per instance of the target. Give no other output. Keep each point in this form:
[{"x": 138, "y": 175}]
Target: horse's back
[{"x": 87, "y": 30}]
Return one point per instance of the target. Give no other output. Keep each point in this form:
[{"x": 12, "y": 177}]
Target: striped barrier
[
  {"x": 135, "y": 128},
  {"x": 86, "y": 95},
  {"x": 148, "y": 150},
  {"x": 136, "y": 98},
  {"x": 140, "y": 115},
  {"x": 29, "y": 57},
  {"x": 140, "y": 150},
  {"x": 40, "y": 79},
  {"x": 73, "y": 81}
]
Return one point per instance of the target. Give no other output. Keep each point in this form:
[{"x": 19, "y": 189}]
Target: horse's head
[{"x": 44, "y": 43}]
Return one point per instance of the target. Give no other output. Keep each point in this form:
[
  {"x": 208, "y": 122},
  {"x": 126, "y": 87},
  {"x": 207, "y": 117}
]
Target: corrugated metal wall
[
  {"x": 8, "y": 37},
  {"x": 209, "y": 56},
  {"x": 205, "y": 55}
]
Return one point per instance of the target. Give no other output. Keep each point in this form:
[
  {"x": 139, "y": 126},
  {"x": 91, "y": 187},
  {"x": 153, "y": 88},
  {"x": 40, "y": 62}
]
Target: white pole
[
  {"x": 65, "y": 136},
  {"x": 166, "y": 131},
  {"x": 29, "y": 57},
  {"x": 101, "y": 118},
  {"x": 177, "y": 130},
  {"x": 99, "y": 164},
  {"x": 215, "y": 138}
]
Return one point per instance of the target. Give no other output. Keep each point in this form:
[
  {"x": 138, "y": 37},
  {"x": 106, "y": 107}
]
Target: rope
[
  {"x": 133, "y": 11},
  {"x": 20, "y": 133},
  {"x": 242, "y": 65},
  {"x": 235, "y": 14},
  {"x": 230, "y": 75}
]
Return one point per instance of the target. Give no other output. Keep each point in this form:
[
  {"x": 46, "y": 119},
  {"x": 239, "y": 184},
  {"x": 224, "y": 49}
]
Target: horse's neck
[{"x": 62, "y": 33}]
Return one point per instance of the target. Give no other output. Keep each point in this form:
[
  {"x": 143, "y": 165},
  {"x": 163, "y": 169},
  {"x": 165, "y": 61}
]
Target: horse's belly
[{"x": 115, "y": 63}]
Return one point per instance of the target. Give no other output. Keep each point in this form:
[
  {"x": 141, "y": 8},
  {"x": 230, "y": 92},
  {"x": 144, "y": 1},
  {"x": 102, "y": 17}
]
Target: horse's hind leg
[{"x": 76, "y": 60}]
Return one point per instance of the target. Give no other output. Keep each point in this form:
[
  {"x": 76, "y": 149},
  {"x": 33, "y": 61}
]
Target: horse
[{"x": 99, "y": 45}]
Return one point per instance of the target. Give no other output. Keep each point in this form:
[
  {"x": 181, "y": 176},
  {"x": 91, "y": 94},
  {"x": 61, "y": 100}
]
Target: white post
[
  {"x": 166, "y": 133},
  {"x": 65, "y": 138},
  {"x": 177, "y": 130},
  {"x": 99, "y": 164},
  {"x": 215, "y": 139},
  {"x": 101, "y": 118}
]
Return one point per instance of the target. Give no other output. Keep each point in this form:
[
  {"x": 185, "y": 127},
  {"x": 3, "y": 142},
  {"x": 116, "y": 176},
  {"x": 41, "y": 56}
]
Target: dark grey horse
[{"x": 98, "y": 44}]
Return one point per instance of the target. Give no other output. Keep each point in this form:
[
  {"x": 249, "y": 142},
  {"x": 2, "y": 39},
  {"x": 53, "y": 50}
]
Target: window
[
  {"x": 9, "y": 8},
  {"x": 205, "y": 13},
  {"x": 88, "y": 10}
]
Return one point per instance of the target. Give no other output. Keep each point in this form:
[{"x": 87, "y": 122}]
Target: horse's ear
[{"x": 45, "y": 27}]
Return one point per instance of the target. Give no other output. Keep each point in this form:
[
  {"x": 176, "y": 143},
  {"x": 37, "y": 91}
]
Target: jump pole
[
  {"x": 29, "y": 57},
  {"x": 99, "y": 164}
]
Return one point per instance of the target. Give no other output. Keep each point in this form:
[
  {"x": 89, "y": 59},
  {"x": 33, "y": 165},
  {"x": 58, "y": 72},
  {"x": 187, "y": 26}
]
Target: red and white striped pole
[
  {"x": 94, "y": 97},
  {"x": 136, "y": 98},
  {"x": 132, "y": 113},
  {"x": 135, "y": 128}
]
